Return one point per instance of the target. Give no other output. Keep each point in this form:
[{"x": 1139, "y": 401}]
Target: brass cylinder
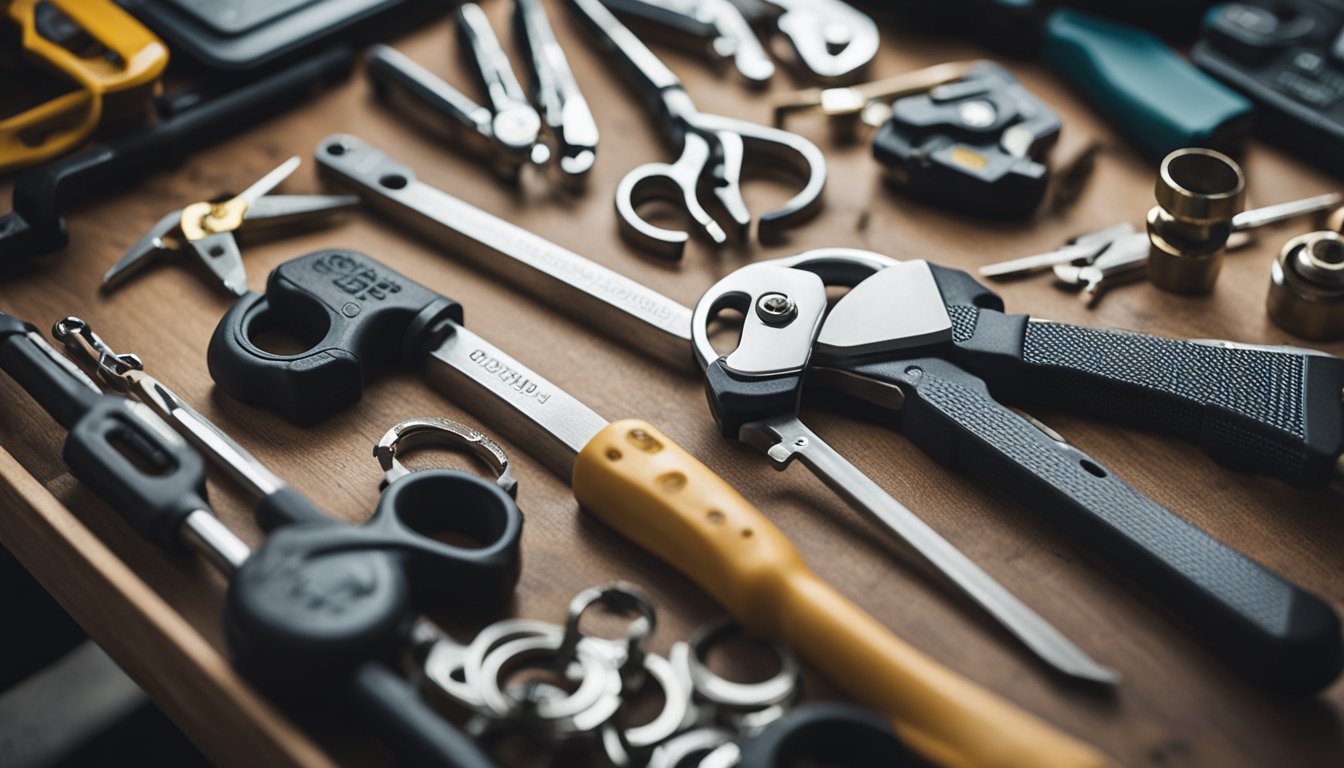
[
  {"x": 1306, "y": 286},
  {"x": 1198, "y": 192}
]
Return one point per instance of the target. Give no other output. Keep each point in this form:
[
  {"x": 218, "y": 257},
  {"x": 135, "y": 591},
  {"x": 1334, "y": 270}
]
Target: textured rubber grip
[
  {"x": 1274, "y": 411},
  {"x": 653, "y": 492},
  {"x": 1272, "y": 631},
  {"x": 1252, "y": 409}
]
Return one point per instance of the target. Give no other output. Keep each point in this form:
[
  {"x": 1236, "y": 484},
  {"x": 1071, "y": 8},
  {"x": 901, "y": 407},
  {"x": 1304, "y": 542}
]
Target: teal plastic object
[{"x": 1152, "y": 95}]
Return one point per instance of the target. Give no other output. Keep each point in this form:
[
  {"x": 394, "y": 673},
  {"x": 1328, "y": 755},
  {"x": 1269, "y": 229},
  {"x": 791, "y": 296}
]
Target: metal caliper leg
[{"x": 786, "y": 438}]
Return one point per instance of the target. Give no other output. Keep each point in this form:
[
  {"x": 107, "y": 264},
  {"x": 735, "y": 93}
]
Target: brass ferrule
[
  {"x": 1306, "y": 286},
  {"x": 1198, "y": 192}
]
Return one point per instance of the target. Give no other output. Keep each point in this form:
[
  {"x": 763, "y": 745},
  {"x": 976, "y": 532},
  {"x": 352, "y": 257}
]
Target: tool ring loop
[{"x": 427, "y": 431}]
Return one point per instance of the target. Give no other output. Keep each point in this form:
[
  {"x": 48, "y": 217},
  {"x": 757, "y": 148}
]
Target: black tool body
[
  {"x": 1288, "y": 57},
  {"x": 321, "y": 609},
  {"x": 42, "y": 195},
  {"x": 142, "y": 469},
  {"x": 1276, "y": 412},
  {"x": 324, "y": 595},
  {"x": 254, "y": 36},
  {"x": 829, "y": 733},
  {"x": 358, "y": 317},
  {"x": 948, "y": 146}
]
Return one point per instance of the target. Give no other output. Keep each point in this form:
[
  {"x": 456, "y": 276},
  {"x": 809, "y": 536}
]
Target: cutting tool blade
[
  {"x": 143, "y": 251},
  {"x": 219, "y": 253}
]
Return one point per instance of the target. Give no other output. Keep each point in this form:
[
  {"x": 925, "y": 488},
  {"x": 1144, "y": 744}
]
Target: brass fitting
[
  {"x": 1198, "y": 192},
  {"x": 1306, "y": 286}
]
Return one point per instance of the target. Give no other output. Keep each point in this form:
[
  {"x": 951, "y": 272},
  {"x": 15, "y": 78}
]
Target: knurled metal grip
[{"x": 1271, "y": 410}]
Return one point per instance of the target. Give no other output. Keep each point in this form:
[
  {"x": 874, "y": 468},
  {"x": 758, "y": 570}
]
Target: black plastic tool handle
[
  {"x": 1277, "y": 412},
  {"x": 419, "y": 735},
  {"x": 144, "y": 471},
  {"x": 830, "y": 733},
  {"x": 42, "y": 195},
  {"x": 1270, "y": 630},
  {"x": 54, "y": 383},
  {"x": 357, "y": 315}
]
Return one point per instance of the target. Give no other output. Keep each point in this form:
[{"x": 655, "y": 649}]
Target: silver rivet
[{"x": 776, "y": 308}]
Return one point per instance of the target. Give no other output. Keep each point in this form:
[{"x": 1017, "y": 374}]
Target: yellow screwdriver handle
[{"x": 648, "y": 488}]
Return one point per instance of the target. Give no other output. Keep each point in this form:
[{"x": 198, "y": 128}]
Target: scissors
[
  {"x": 415, "y": 512},
  {"x": 713, "y": 149},
  {"x": 206, "y": 229}
]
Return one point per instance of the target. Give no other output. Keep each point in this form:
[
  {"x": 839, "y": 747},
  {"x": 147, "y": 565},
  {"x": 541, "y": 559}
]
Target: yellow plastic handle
[
  {"x": 122, "y": 80},
  {"x": 638, "y": 481}
]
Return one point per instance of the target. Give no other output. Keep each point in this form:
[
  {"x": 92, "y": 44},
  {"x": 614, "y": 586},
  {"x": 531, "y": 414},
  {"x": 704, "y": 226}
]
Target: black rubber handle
[
  {"x": 145, "y": 473},
  {"x": 425, "y": 510},
  {"x": 1270, "y": 630},
  {"x": 41, "y": 195},
  {"x": 46, "y": 376},
  {"x": 1272, "y": 411},
  {"x": 419, "y": 735},
  {"x": 831, "y": 734},
  {"x": 356, "y": 315},
  {"x": 151, "y": 478},
  {"x": 312, "y": 614}
]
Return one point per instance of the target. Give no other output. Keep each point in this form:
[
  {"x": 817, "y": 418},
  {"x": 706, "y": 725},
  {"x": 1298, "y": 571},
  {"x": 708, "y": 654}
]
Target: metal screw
[{"x": 776, "y": 308}]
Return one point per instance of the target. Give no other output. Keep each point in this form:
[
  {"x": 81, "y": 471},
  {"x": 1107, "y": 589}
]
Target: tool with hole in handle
[{"x": 365, "y": 317}]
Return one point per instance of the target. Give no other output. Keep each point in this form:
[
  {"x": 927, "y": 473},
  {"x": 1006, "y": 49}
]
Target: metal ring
[
  {"x": 776, "y": 691},
  {"x": 700, "y": 742},
  {"x": 446, "y": 657},
  {"x": 420, "y": 432},
  {"x": 621, "y": 597},
  {"x": 585, "y": 710},
  {"x": 618, "y": 743}
]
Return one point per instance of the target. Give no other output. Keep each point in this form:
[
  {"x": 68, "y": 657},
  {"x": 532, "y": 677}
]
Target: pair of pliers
[
  {"x": 713, "y": 150},
  {"x": 205, "y": 230},
  {"x": 935, "y": 347},
  {"x": 510, "y": 132},
  {"x": 115, "y": 71}
]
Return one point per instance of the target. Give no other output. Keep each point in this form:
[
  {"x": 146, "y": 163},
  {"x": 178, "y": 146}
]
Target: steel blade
[
  {"x": 542, "y": 419},
  {"x": 636, "y": 316}
]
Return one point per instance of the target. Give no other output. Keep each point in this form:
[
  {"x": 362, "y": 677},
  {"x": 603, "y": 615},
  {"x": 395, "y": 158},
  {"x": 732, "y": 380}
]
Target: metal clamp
[{"x": 431, "y": 431}]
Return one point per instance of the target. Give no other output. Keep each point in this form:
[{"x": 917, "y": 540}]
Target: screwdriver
[{"x": 630, "y": 475}]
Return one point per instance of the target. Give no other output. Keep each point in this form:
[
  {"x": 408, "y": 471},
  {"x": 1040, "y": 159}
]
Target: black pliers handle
[{"x": 936, "y": 345}]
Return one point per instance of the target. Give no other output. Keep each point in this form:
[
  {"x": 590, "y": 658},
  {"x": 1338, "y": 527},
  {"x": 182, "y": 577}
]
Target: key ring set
[{"x": 599, "y": 678}]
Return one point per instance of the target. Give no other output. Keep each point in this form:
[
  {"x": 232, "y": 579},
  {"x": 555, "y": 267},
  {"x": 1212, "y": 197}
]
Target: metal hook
[{"x": 80, "y": 340}]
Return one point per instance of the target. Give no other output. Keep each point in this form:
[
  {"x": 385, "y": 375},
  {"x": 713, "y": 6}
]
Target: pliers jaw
[
  {"x": 206, "y": 229},
  {"x": 783, "y": 303},
  {"x": 508, "y": 130}
]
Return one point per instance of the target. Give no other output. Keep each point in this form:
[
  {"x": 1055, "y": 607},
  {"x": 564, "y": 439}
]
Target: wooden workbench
[{"x": 160, "y": 617}]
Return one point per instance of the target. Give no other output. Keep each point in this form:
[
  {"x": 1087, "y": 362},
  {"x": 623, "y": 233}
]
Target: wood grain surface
[{"x": 1176, "y": 705}]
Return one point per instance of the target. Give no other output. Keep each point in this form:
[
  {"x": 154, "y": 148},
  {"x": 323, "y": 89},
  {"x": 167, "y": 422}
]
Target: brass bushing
[
  {"x": 1198, "y": 192},
  {"x": 1306, "y": 286}
]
